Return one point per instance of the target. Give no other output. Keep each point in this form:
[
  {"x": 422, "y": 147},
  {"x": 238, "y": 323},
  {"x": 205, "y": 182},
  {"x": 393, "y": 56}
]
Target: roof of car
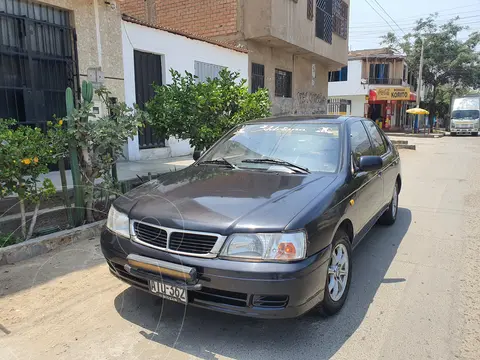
[{"x": 307, "y": 118}]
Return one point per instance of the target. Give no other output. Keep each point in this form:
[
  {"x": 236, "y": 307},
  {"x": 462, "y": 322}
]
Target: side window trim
[
  {"x": 387, "y": 148},
  {"x": 352, "y": 154}
]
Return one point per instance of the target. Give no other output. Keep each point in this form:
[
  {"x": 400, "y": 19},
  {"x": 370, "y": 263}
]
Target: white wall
[
  {"x": 179, "y": 53},
  {"x": 353, "y": 85}
]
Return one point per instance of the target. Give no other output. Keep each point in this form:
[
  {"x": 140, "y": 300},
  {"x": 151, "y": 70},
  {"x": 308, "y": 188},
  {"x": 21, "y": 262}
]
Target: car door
[
  {"x": 365, "y": 185},
  {"x": 380, "y": 148}
]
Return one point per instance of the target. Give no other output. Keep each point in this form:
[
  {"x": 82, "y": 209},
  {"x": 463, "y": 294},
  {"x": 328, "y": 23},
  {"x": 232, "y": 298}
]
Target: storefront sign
[{"x": 393, "y": 93}]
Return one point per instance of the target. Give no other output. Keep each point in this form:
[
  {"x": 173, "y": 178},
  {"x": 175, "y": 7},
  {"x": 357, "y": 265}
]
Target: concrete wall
[
  {"x": 277, "y": 21},
  {"x": 309, "y": 96},
  {"x": 99, "y": 40},
  {"x": 179, "y": 53},
  {"x": 353, "y": 85}
]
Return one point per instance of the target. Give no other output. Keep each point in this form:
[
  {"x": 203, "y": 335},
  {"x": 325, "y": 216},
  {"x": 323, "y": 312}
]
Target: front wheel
[
  {"x": 453, "y": 133},
  {"x": 339, "y": 276},
  {"x": 474, "y": 133}
]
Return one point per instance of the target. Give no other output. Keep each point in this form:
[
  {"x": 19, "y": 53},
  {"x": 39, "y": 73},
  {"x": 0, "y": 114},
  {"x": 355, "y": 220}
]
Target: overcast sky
[{"x": 366, "y": 25}]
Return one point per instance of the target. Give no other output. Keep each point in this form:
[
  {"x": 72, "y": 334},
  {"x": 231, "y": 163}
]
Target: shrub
[
  {"x": 25, "y": 154},
  {"x": 203, "y": 112},
  {"x": 99, "y": 141}
]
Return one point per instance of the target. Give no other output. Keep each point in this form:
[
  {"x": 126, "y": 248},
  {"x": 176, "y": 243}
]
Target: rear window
[{"x": 314, "y": 146}]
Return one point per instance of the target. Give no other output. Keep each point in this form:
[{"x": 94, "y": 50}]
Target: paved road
[{"x": 415, "y": 291}]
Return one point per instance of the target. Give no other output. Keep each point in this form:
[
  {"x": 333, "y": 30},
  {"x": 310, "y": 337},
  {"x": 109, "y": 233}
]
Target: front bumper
[{"x": 260, "y": 290}]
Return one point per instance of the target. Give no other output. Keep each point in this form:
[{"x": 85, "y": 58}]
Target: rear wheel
[
  {"x": 390, "y": 215},
  {"x": 338, "y": 276}
]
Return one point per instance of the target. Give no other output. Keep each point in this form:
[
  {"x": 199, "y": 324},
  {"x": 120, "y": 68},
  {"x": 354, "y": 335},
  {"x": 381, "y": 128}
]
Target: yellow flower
[
  {"x": 26, "y": 161},
  {"x": 60, "y": 122},
  {"x": 35, "y": 160}
]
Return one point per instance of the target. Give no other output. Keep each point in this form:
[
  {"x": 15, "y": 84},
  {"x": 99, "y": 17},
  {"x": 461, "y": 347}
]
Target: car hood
[{"x": 219, "y": 200}]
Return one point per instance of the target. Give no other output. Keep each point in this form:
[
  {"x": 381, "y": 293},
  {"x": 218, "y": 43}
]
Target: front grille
[
  {"x": 164, "y": 238},
  {"x": 208, "y": 295},
  {"x": 192, "y": 243},
  {"x": 270, "y": 301},
  {"x": 151, "y": 235}
]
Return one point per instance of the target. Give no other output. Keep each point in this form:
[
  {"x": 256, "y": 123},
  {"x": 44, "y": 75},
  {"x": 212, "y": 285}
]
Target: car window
[
  {"x": 315, "y": 146},
  {"x": 379, "y": 147},
  {"x": 360, "y": 143}
]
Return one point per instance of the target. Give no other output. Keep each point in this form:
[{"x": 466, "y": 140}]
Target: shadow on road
[{"x": 205, "y": 334}]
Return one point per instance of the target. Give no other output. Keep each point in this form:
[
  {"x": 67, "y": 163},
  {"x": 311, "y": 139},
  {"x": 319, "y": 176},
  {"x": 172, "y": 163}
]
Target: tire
[
  {"x": 453, "y": 134},
  {"x": 390, "y": 215},
  {"x": 332, "y": 303},
  {"x": 474, "y": 133}
]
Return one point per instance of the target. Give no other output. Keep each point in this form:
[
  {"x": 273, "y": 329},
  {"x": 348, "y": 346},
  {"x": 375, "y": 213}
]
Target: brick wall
[
  {"x": 134, "y": 8},
  {"x": 208, "y": 18}
]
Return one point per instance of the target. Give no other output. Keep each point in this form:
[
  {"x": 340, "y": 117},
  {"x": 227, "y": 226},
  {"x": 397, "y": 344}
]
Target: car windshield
[
  {"x": 315, "y": 147},
  {"x": 465, "y": 114}
]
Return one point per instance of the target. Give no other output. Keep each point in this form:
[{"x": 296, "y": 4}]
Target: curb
[
  {"x": 405, "y": 146},
  {"x": 426, "y": 136},
  {"x": 44, "y": 244}
]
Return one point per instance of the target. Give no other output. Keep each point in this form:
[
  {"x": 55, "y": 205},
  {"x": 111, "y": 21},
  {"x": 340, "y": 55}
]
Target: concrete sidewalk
[{"x": 130, "y": 169}]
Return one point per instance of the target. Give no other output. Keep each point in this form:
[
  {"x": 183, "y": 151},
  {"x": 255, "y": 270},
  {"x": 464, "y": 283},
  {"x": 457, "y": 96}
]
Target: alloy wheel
[{"x": 338, "y": 272}]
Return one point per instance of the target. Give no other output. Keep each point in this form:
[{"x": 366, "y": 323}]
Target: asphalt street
[{"x": 415, "y": 291}]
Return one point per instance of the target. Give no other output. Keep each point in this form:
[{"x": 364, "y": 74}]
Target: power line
[
  {"x": 380, "y": 15},
  {"x": 409, "y": 19},
  {"x": 407, "y": 22},
  {"x": 369, "y": 32},
  {"x": 381, "y": 7}
]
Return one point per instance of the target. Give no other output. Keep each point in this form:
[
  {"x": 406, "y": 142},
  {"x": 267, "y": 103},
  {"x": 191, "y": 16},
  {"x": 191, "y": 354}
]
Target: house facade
[
  {"x": 48, "y": 46},
  {"x": 149, "y": 52},
  {"x": 292, "y": 44},
  {"x": 377, "y": 84}
]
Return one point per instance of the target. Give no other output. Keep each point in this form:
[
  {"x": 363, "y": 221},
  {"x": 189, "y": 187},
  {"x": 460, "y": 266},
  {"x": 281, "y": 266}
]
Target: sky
[{"x": 366, "y": 25}]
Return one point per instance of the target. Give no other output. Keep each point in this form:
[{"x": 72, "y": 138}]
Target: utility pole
[{"x": 419, "y": 84}]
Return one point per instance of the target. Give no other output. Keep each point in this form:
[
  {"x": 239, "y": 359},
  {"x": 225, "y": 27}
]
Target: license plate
[{"x": 170, "y": 292}]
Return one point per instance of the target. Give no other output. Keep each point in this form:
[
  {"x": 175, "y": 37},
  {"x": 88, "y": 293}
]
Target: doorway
[{"x": 148, "y": 71}]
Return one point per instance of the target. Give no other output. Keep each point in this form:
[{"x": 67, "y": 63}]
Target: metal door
[
  {"x": 148, "y": 71},
  {"x": 38, "y": 61}
]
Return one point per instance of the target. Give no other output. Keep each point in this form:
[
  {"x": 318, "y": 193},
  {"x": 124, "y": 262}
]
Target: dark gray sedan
[{"x": 263, "y": 224}]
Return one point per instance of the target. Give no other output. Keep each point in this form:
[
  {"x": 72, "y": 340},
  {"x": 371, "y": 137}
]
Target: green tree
[
  {"x": 451, "y": 65},
  {"x": 203, "y": 111}
]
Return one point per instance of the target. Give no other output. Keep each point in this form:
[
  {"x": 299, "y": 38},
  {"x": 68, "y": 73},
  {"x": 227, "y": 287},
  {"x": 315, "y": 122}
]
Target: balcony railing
[{"x": 385, "y": 81}]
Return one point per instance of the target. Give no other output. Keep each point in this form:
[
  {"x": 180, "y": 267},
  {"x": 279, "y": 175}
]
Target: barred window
[
  {"x": 258, "y": 77},
  {"x": 283, "y": 83},
  {"x": 310, "y": 10},
  {"x": 340, "y": 18},
  {"x": 324, "y": 20}
]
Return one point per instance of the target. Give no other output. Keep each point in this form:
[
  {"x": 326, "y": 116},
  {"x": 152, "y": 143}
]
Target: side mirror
[
  {"x": 196, "y": 155},
  {"x": 370, "y": 163}
]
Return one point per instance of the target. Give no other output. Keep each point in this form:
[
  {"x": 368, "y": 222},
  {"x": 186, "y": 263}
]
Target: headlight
[
  {"x": 268, "y": 247},
  {"x": 118, "y": 222}
]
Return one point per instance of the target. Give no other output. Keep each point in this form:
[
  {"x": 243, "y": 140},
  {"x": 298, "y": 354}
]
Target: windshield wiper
[
  {"x": 220, "y": 161},
  {"x": 287, "y": 164}
]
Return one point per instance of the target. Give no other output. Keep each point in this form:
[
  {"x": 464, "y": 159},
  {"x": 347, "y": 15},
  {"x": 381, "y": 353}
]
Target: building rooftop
[
  {"x": 230, "y": 46},
  {"x": 384, "y": 53}
]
